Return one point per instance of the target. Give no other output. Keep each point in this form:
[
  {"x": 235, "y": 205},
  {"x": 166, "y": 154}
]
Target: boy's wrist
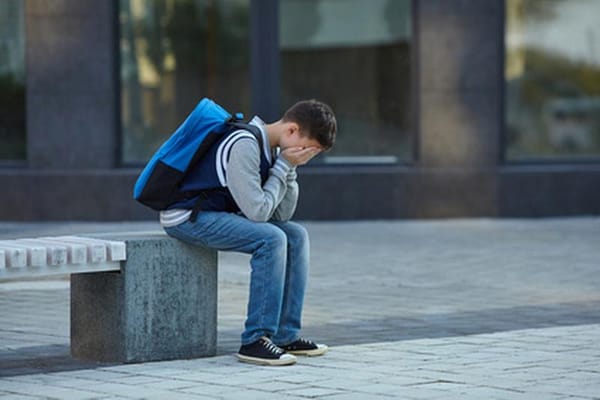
[
  {"x": 288, "y": 165},
  {"x": 292, "y": 175},
  {"x": 281, "y": 168}
]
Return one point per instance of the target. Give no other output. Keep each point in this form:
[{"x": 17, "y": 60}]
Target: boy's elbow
[{"x": 257, "y": 211}]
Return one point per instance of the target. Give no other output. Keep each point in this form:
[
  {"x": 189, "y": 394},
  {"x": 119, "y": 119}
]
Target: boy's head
[{"x": 315, "y": 120}]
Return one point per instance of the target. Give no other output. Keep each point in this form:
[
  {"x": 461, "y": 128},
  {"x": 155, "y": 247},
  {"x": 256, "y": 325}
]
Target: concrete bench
[{"x": 135, "y": 297}]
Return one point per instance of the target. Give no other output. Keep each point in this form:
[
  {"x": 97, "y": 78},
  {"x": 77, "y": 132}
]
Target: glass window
[
  {"x": 552, "y": 79},
  {"x": 12, "y": 80},
  {"x": 355, "y": 56},
  {"x": 173, "y": 53}
]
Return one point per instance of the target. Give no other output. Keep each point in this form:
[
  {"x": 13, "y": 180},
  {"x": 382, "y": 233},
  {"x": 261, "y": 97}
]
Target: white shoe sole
[
  {"x": 265, "y": 361},
  {"x": 319, "y": 351}
]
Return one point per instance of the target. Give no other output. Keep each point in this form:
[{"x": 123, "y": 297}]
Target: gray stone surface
[
  {"x": 467, "y": 45},
  {"x": 72, "y": 96},
  {"x": 161, "y": 306},
  {"x": 456, "y": 309},
  {"x": 460, "y": 129},
  {"x": 460, "y": 83}
]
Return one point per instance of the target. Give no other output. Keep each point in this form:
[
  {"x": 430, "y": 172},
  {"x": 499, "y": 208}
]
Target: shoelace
[
  {"x": 272, "y": 347},
  {"x": 305, "y": 341}
]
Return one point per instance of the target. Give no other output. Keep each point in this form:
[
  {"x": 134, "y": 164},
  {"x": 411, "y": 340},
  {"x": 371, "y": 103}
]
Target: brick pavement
[
  {"x": 430, "y": 309},
  {"x": 546, "y": 363}
]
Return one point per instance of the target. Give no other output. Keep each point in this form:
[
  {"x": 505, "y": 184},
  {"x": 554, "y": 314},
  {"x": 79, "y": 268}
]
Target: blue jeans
[{"x": 280, "y": 259}]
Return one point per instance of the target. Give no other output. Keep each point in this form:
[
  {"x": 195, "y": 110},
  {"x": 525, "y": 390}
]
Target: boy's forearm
[
  {"x": 287, "y": 207},
  {"x": 257, "y": 202}
]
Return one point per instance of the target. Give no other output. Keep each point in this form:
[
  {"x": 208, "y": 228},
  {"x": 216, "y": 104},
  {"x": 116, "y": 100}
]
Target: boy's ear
[{"x": 293, "y": 128}]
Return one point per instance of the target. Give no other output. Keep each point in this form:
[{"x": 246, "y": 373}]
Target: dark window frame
[{"x": 19, "y": 163}]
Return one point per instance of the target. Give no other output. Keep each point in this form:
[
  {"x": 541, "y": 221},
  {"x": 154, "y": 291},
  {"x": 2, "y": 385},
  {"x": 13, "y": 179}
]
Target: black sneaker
[
  {"x": 264, "y": 352},
  {"x": 305, "y": 347}
]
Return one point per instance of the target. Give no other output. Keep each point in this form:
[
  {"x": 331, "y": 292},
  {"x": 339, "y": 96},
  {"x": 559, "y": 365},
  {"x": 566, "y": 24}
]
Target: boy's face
[
  {"x": 304, "y": 142},
  {"x": 294, "y": 138}
]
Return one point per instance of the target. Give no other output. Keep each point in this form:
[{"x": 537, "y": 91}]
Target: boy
[{"x": 252, "y": 213}]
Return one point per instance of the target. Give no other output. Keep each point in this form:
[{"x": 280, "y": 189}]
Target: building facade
[{"x": 447, "y": 108}]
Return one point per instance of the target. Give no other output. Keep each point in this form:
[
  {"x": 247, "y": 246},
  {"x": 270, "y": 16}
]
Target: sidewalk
[{"x": 465, "y": 309}]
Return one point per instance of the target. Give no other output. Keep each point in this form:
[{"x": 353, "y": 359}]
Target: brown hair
[{"x": 315, "y": 119}]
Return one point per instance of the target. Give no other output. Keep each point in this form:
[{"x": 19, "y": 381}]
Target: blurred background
[{"x": 445, "y": 108}]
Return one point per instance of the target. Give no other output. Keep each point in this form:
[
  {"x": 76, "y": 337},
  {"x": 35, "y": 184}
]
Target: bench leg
[{"x": 161, "y": 306}]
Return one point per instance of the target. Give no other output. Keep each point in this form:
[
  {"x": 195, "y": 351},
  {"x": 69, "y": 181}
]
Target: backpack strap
[
  {"x": 237, "y": 125},
  {"x": 253, "y": 129}
]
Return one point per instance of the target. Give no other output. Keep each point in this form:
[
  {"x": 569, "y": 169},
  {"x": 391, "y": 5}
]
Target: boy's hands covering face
[{"x": 299, "y": 155}]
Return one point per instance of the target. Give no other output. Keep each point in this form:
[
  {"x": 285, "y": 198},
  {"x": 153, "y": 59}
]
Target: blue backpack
[{"x": 160, "y": 184}]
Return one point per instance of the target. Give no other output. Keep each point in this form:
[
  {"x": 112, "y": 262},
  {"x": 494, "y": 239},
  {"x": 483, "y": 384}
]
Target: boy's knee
[
  {"x": 297, "y": 232},
  {"x": 276, "y": 238}
]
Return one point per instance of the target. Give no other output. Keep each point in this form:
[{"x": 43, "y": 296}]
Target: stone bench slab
[{"x": 59, "y": 255}]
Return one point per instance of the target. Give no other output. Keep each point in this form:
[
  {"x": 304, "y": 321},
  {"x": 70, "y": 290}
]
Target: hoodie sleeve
[
  {"x": 257, "y": 202},
  {"x": 287, "y": 206}
]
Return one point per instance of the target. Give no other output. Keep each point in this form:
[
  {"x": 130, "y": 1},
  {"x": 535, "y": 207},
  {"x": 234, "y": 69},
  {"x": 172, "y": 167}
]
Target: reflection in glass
[
  {"x": 12, "y": 80},
  {"x": 173, "y": 53},
  {"x": 355, "y": 56},
  {"x": 552, "y": 78}
]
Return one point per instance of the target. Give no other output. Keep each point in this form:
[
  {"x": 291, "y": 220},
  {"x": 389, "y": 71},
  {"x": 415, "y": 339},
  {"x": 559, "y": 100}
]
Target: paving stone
[
  {"x": 420, "y": 392},
  {"x": 271, "y": 386},
  {"x": 249, "y": 394},
  {"x": 12, "y": 396},
  {"x": 313, "y": 392},
  {"x": 304, "y": 377},
  {"x": 403, "y": 380},
  {"x": 180, "y": 396},
  {"x": 170, "y": 384},
  {"x": 185, "y": 376},
  {"x": 47, "y": 391},
  {"x": 495, "y": 394},
  {"x": 95, "y": 375},
  {"x": 208, "y": 389},
  {"x": 357, "y": 396}
]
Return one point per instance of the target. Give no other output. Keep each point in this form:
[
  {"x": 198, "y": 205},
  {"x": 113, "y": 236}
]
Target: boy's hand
[{"x": 299, "y": 155}]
